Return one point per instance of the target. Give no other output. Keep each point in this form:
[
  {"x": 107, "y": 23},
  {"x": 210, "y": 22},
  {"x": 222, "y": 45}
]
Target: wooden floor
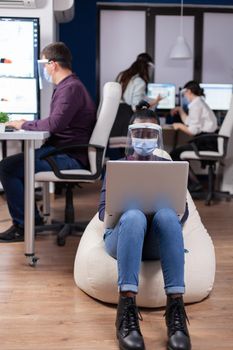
[{"x": 42, "y": 309}]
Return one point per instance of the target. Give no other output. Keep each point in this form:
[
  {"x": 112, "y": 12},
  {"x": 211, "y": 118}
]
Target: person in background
[
  {"x": 71, "y": 120},
  {"x": 133, "y": 82},
  {"x": 200, "y": 120},
  {"x": 136, "y": 237}
]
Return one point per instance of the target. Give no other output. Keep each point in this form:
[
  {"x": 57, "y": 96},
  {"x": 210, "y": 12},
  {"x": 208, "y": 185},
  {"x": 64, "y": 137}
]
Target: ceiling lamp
[{"x": 181, "y": 49}]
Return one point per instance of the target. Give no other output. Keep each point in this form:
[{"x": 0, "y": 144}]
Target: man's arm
[
  {"x": 17, "y": 124},
  {"x": 63, "y": 107}
]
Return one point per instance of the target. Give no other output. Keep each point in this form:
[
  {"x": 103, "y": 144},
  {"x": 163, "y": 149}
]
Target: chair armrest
[
  {"x": 203, "y": 137},
  {"x": 195, "y": 140},
  {"x": 99, "y": 156},
  {"x": 65, "y": 149}
]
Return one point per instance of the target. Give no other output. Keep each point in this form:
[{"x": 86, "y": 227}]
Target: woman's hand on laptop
[{"x": 17, "y": 124}]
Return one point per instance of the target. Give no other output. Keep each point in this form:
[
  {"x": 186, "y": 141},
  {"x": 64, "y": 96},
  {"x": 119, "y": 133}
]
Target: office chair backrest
[
  {"x": 106, "y": 115},
  {"x": 226, "y": 127}
]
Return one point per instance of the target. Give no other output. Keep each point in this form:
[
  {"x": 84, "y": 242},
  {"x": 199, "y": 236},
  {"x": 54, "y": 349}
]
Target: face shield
[
  {"x": 184, "y": 101},
  {"x": 143, "y": 139},
  {"x": 44, "y": 77},
  {"x": 151, "y": 69}
]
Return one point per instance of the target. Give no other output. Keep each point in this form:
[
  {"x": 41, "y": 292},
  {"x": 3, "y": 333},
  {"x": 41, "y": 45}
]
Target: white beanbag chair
[{"x": 95, "y": 272}]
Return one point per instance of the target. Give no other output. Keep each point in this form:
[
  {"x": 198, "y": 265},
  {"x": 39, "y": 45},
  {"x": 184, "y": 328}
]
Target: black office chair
[
  {"x": 212, "y": 159},
  {"x": 96, "y": 152}
]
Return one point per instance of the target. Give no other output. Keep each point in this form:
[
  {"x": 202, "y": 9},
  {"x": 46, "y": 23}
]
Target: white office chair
[
  {"x": 209, "y": 158},
  {"x": 96, "y": 152}
]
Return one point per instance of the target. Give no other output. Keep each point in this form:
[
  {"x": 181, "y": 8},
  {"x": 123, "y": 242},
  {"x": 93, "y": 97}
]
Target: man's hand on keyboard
[{"x": 17, "y": 124}]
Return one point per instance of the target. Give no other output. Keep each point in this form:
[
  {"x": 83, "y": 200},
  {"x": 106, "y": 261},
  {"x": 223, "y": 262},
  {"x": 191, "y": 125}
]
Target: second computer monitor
[
  {"x": 218, "y": 96},
  {"x": 167, "y": 91}
]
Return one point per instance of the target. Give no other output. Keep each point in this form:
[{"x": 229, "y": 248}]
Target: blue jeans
[
  {"x": 12, "y": 179},
  {"x": 135, "y": 238}
]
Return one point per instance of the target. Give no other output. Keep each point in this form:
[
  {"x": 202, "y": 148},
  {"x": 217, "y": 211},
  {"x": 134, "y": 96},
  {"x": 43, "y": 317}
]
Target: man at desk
[{"x": 71, "y": 121}]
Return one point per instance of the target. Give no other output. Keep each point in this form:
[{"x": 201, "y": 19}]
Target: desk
[{"x": 29, "y": 189}]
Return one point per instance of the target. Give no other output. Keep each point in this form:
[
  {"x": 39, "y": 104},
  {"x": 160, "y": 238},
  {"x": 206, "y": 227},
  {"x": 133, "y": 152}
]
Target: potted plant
[{"x": 3, "y": 119}]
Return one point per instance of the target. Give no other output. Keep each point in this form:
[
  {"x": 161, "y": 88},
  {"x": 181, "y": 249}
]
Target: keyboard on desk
[{"x": 9, "y": 128}]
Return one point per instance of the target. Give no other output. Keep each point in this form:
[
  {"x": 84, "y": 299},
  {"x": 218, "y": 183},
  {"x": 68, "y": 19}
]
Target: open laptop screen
[{"x": 142, "y": 184}]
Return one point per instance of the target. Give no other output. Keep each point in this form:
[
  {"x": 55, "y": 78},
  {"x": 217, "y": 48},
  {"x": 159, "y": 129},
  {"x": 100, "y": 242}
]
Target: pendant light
[{"x": 181, "y": 49}]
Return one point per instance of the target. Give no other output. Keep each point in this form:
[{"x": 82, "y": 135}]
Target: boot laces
[
  {"x": 130, "y": 318},
  {"x": 177, "y": 317}
]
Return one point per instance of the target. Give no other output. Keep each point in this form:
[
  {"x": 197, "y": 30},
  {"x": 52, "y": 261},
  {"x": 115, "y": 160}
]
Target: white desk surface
[{"x": 24, "y": 135}]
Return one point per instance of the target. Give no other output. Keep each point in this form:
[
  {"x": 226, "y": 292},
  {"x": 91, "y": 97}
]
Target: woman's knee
[
  {"x": 166, "y": 216},
  {"x": 134, "y": 217}
]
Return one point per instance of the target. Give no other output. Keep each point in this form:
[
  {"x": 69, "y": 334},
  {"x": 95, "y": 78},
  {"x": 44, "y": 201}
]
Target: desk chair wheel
[
  {"x": 62, "y": 234},
  {"x": 32, "y": 260},
  {"x": 208, "y": 199}
]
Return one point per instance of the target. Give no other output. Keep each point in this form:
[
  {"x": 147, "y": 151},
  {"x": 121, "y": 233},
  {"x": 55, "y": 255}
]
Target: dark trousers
[
  {"x": 175, "y": 154},
  {"x": 12, "y": 179},
  {"x": 207, "y": 144}
]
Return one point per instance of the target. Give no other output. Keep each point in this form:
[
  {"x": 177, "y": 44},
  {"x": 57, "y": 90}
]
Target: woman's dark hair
[
  {"x": 194, "y": 87},
  {"x": 144, "y": 113},
  {"x": 140, "y": 67},
  {"x": 58, "y": 52}
]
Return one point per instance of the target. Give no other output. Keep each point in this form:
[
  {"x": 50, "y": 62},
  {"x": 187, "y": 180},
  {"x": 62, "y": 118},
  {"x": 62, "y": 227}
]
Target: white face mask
[{"x": 47, "y": 76}]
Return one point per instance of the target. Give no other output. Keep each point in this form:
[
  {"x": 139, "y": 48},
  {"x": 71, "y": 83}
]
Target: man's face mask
[
  {"x": 43, "y": 73},
  {"x": 47, "y": 76},
  {"x": 144, "y": 147}
]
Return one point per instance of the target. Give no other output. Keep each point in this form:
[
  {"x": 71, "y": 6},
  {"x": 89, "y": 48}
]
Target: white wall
[
  {"x": 218, "y": 48},
  {"x": 122, "y": 38},
  {"x": 177, "y": 72}
]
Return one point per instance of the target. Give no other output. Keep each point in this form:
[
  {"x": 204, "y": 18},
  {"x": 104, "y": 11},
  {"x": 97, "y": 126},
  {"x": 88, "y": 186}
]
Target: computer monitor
[
  {"x": 218, "y": 96},
  {"x": 168, "y": 91},
  {"x": 19, "y": 43}
]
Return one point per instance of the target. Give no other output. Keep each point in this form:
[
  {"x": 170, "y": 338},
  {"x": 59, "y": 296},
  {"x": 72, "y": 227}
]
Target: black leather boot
[
  {"x": 127, "y": 325},
  {"x": 178, "y": 335}
]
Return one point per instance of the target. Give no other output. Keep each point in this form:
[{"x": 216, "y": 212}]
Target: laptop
[{"x": 142, "y": 184}]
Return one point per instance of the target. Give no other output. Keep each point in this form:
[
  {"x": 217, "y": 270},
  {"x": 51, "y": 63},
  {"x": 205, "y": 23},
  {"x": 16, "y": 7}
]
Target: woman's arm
[
  {"x": 182, "y": 127},
  {"x": 181, "y": 112},
  {"x": 101, "y": 208},
  {"x": 185, "y": 216},
  {"x": 138, "y": 92}
]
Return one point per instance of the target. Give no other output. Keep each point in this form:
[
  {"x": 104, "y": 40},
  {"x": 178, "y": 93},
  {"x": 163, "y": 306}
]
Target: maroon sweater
[{"x": 71, "y": 119}]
